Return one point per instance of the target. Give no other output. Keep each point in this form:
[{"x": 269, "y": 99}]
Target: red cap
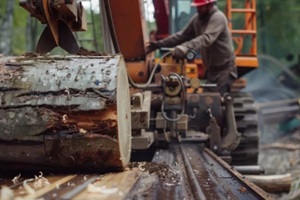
[{"x": 202, "y": 2}]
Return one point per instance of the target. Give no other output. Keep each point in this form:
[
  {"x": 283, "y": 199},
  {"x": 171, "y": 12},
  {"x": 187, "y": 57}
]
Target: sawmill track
[{"x": 184, "y": 171}]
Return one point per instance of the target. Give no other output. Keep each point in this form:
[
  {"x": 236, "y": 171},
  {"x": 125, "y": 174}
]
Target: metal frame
[{"x": 248, "y": 57}]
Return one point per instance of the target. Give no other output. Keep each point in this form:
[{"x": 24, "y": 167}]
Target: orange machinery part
[{"x": 130, "y": 28}]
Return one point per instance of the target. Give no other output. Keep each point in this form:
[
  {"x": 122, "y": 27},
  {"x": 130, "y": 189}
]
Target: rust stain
[
  {"x": 8, "y": 72},
  {"x": 194, "y": 98},
  {"x": 243, "y": 190},
  {"x": 209, "y": 100}
]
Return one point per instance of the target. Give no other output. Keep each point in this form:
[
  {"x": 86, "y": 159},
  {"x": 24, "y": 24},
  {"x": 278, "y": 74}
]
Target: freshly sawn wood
[{"x": 65, "y": 111}]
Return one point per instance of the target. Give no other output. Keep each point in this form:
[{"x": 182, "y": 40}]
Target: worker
[{"x": 207, "y": 31}]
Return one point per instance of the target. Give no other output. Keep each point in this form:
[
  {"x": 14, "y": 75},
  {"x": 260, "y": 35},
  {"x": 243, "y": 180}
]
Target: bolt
[{"x": 171, "y": 88}]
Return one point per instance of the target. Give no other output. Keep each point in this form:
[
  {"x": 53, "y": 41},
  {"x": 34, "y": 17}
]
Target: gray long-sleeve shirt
[{"x": 210, "y": 36}]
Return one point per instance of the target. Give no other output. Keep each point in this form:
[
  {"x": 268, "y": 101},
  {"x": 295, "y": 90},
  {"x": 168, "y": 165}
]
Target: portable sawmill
[{"x": 90, "y": 111}]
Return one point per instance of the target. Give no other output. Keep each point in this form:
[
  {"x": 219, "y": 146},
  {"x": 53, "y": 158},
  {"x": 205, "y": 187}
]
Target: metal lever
[{"x": 214, "y": 131}]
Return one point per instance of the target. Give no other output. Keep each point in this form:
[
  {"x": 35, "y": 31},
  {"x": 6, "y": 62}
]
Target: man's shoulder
[
  {"x": 195, "y": 16},
  {"x": 194, "y": 19},
  {"x": 218, "y": 14}
]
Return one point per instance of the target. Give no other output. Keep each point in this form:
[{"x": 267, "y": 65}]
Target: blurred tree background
[
  {"x": 278, "y": 30},
  {"x": 278, "y": 27},
  {"x": 20, "y": 32}
]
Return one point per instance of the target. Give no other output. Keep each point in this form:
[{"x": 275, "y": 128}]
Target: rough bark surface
[{"x": 67, "y": 108}]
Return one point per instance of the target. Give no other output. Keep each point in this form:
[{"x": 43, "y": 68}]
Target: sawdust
[
  {"x": 30, "y": 54},
  {"x": 164, "y": 171},
  {"x": 81, "y": 52},
  {"x": 85, "y": 52}
]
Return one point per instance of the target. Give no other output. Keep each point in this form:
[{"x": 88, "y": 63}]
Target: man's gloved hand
[
  {"x": 178, "y": 53},
  {"x": 152, "y": 46}
]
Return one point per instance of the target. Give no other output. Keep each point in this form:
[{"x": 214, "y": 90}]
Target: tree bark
[{"x": 70, "y": 112}]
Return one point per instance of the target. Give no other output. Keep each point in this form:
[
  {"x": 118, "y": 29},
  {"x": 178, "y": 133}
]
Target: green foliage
[
  {"x": 2, "y": 9},
  {"x": 19, "y": 34},
  {"x": 92, "y": 38},
  {"x": 278, "y": 27}
]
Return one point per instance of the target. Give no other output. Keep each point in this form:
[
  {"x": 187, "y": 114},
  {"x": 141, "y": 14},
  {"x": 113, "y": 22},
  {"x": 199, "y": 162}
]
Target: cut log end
[{"x": 124, "y": 114}]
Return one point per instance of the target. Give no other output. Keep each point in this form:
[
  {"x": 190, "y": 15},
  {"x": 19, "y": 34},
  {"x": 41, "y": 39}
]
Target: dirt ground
[{"x": 280, "y": 154}]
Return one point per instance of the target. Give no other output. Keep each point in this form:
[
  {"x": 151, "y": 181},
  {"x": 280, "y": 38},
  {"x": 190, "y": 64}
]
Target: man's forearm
[{"x": 172, "y": 40}]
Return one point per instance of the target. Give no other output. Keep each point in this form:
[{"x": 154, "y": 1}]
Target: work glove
[
  {"x": 152, "y": 46},
  {"x": 179, "y": 52}
]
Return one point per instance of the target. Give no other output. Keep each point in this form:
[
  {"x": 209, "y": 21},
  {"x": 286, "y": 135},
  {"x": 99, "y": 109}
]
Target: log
[
  {"x": 272, "y": 183},
  {"x": 65, "y": 111},
  {"x": 284, "y": 146}
]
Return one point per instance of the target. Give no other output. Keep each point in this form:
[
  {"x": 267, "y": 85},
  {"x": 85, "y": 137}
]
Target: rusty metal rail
[
  {"x": 203, "y": 175},
  {"x": 185, "y": 171}
]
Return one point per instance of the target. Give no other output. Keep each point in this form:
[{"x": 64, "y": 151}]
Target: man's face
[{"x": 203, "y": 10}]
